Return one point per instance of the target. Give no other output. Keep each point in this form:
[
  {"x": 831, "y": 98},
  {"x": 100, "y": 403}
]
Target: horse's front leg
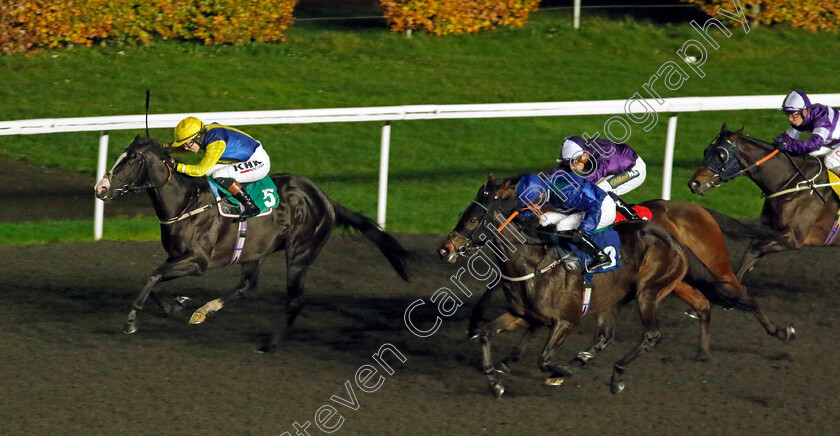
[
  {"x": 506, "y": 322},
  {"x": 477, "y": 313},
  {"x": 758, "y": 249},
  {"x": 169, "y": 270},
  {"x": 559, "y": 332},
  {"x": 247, "y": 284}
]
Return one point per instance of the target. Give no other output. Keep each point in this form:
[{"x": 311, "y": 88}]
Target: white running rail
[{"x": 387, "y": 114}]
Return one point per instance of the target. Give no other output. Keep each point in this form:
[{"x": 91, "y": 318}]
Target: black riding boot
[
  {"x": 251, "y": 209},
  {"x": 599, "y": 258},
  {"x": 625, "y": 209}
]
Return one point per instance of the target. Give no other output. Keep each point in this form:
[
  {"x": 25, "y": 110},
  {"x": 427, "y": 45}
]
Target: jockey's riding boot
[
  {"x": 625, "y": 209},
  {"x": 251, "y": 209},
  {"x": 599, "y": 257}
]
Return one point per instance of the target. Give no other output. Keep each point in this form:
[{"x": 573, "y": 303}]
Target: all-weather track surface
[{"x": 66, "y": 368}]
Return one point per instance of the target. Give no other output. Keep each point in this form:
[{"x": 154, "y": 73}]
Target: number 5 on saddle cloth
[{"x": 263, "y": 192}]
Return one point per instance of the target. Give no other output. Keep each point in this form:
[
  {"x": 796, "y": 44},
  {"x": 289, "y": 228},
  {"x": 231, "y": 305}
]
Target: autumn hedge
[
  {"x": 814, "y": 15},
  {"x": 30, "y": 25},
  {"x": 443, "y": 17}
]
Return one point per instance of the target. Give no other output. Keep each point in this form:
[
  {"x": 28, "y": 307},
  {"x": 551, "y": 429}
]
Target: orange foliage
[
  {"x": 813, "y": 15},
  {"x": 30, "y": 25},
  {"x": 443, "y": 17}
]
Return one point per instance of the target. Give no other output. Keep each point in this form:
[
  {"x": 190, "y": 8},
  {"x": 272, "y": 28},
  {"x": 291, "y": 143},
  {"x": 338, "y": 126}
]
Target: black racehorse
[
  {"x": 196, "y": 237},
  {"x": 800, "y": 215},
  {"x": 654, "y": 262}
]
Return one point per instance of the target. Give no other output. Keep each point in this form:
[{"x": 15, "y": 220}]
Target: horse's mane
[
  {"x": 154, "y": 145},
  {"x": 803, "y": 159}
]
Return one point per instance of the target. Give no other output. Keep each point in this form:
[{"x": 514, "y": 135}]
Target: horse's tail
[
  {"x": 388, "y": 245},
  {"x": 712, "y": 287},
  {"x": 742, "y": 230}
]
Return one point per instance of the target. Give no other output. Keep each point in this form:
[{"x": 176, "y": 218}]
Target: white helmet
[{"x": 570, "y": 150}]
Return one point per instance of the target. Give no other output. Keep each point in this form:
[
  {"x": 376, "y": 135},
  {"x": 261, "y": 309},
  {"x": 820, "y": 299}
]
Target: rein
[
  {"x": 801, "y": 186},
  {"x": 533, "y": 274},
  {"x": 471, "y": 246}
]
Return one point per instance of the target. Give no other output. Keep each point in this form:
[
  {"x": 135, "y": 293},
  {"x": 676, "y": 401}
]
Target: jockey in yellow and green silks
[{"x": 231, "y": 157}]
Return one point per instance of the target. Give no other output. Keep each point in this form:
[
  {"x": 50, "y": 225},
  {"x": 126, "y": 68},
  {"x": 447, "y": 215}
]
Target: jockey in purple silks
[
  {"x": 817, "y": 119},
  {"x": 614, "y": 167}
]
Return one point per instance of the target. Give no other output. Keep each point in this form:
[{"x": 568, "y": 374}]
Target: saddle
[{"x": 263, "y": 192}]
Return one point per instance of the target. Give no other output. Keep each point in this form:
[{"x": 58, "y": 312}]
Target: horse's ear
[
  {"x": 489, "y": 177},
  {"x": 723, "y": 128},
  {"x": 738, "y": 132}
]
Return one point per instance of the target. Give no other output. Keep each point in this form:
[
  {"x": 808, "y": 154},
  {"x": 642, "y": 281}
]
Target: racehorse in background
[
  {"x": 196, "y": 239},
  {"x": 653, "y": 263},
  {"x": 799, "y": 205}
]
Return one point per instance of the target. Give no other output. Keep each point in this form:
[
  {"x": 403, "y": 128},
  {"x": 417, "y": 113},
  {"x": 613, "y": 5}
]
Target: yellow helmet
[{"x": 186, "y": 130}]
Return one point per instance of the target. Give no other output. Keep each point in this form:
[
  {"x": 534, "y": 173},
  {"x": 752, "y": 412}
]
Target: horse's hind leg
[
  {"x": 651, "y": 336},
  {"x": 786, "y": 334},
  {"x": 505, "y": 322},
  {"x": 298, "y": 260},
  {"x": 604, "y": 336},
  {"x": 247, "y": 284},
  {"x": 703, "y": 311}
]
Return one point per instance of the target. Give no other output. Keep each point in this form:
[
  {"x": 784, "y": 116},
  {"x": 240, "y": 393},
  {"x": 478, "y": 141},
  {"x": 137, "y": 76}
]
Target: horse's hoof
[
  {"x": 267, "y": 348},
  {"x": 497, "y": 389},
  {"x": 197, "y": 318},
  {"x": 129, "y": 328},
  {"x": 617, "y": 388},
  {"x": 554, "y": 381},
  {"x": 702, "y": 356},
  {"x": 691, "y": 314},
  {"x": 791, "y": 333}
]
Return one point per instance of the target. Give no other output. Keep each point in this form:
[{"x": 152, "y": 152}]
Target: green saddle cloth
[{"x": 263, "y": 192}]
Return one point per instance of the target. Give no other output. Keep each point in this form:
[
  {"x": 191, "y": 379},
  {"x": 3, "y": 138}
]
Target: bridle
[
  {"x": 128, "y": 188},
  {"x": 469, "y": 248},
  {"x": 722, "y": 158}
]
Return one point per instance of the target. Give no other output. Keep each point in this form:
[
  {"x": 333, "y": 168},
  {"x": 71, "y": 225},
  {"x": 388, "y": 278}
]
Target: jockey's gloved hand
[
  {"x": 779, "y": 145},
  {"x": 170, "y": 162}
]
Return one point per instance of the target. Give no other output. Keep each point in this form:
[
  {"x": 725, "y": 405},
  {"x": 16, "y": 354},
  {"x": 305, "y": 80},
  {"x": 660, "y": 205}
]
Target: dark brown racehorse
[
  {"x": 800, "y": 217},
  {"x": 301, "y": 226},
  {"x": 653, "y": 263}
]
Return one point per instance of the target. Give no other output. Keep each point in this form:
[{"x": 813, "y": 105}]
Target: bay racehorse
[
  {"x": 702, "y": 231},
  {"x": 799, "y": 215},
  {"x": 653, "y": 263},
  {"x": 196, "y": 237}
]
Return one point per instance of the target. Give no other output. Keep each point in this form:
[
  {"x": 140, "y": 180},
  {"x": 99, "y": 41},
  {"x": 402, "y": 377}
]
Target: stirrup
[{"x": 593, "y": 265}]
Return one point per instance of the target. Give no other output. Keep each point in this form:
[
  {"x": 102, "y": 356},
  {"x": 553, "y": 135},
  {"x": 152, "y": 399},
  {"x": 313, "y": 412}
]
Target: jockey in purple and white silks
[
  {"x": 820, "y": 121},
  {"x": 614, "y": 167},
  {"x": 577, "y": 203},
  {"x": 230, "y": 157}
]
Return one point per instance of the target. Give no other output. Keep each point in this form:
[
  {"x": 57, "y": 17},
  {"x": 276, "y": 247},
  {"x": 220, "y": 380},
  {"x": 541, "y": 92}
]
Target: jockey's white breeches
[
  {"x": 571, "y": 221},
  {"x": 251, "y": 170},
  {"x": 626, "y": 181}
]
